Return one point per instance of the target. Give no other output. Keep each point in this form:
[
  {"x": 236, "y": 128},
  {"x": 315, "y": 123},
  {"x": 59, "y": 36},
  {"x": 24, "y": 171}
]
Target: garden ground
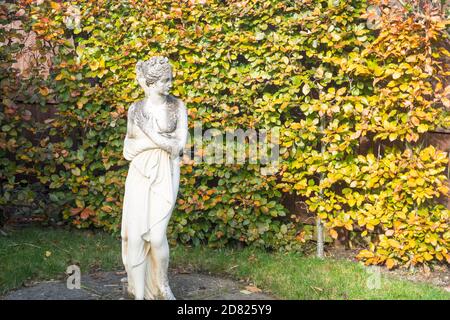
[{"x": 37, "y": 258}]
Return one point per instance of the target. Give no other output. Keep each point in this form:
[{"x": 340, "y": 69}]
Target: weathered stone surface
[{"x": 109, "y": 286}]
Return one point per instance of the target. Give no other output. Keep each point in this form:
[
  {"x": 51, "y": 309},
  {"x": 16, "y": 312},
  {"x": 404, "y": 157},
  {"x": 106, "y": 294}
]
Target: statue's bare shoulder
[
  {"x": 133, "y": 114},
  {"x": 132, "y": 111}
]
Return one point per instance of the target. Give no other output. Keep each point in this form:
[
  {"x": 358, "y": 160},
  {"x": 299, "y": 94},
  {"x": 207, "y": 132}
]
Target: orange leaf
[
  {"x": 390, "y": 263},
  {"x": 333, "y": 234},
  {"x": 253, "y": 289},
  {"x": 86, "y": 213}
]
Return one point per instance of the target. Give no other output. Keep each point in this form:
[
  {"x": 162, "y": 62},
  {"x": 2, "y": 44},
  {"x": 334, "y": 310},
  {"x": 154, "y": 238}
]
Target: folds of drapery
[
  {"x": 134, "y": 147},
  {"x": 148, "y": 198}
]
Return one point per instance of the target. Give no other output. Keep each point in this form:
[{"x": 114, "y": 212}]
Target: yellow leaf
[
  {"x": 44, "y": 91},
  {"x": 351, "y": 202},
  {"x": 48, "y": 254},
  {"x": 443, "y": 189},
  {"x": 341, "y": 91},
  {"x": 365, "y": 254},
  {"x": 378, "y": 71},
  {"x": 55, "y": 5},
  {"x": 396, "y": 75},
  {"x": 394, "y": 243},
  {"x": 392, "y": 136},
  {"x": 427, "y": 256},
  {"x": 422, "y": 128},
  {"x": 390, "y": 263},
  {"x": 107, "y": 208},
  {"x": 306, "y": 89},
  {"x": 94, "y": 65}
]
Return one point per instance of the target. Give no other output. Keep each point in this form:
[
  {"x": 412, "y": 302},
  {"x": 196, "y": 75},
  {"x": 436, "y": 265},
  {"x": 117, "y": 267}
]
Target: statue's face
[{"x": 163, "y": 85}]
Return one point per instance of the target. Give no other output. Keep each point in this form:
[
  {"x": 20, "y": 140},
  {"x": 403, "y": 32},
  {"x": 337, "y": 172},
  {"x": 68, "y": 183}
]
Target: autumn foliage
[{"x": 328, "y": 73}]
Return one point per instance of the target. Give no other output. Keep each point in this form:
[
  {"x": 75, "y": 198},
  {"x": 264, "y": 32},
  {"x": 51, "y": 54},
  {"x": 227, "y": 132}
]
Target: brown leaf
[
  {"x": 75, "y": 211},
  {"x": 86, "y": 213},
  {"x": 253, "y": 289}
]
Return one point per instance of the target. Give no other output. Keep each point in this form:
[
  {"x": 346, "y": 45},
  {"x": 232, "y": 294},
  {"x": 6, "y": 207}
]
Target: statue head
[{"x": 155, "y": 75}]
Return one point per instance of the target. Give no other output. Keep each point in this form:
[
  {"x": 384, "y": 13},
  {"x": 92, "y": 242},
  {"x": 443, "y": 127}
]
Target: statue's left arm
[{"x": 181, "y": 132}]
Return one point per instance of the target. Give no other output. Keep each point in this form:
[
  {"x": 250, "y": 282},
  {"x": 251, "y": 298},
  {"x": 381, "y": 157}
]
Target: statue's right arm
[
  {"x": 133, "y": 146},
  {"x": 128, "y": 143},
  {"x": 147, "y": 126}
]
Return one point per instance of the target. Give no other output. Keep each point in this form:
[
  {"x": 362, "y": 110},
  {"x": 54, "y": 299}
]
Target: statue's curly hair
[{"x": 153, "y": 69}]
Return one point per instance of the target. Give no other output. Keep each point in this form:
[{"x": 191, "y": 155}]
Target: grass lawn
[{"x": 43, "y": 254}]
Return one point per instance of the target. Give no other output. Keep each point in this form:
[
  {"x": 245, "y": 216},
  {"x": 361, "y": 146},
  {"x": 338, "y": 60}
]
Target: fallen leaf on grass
[
  {"x": 183, "y": 271},
  {"x": 253, "y": 289}
]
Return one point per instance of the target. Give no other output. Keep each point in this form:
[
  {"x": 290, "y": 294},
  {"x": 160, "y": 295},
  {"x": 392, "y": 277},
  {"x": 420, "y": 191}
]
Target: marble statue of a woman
[{"x": 156, "y": 135}]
